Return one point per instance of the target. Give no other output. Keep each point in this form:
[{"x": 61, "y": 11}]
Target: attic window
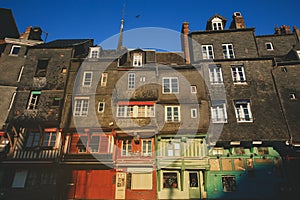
[
  {"x": 41, "y": 67},
  {"x": 293, "y": 96},
  {"x": 15, "y": 50},
  {"x": 217, "y": 24},
  {"x": 137, "y": 59},
  {"x": 94, "y": 52},
  {"x": 269, "y": 46}
]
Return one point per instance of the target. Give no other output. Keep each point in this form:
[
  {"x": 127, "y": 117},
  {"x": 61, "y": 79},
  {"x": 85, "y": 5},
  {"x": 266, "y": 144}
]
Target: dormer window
[
  {"x": 94, "y": 52},
  {"x": 137, "y": 59},
  {"x": 217, "y": 24},
  {"x": 269, "y": 46},
  {"x": 15, "y": 50}
]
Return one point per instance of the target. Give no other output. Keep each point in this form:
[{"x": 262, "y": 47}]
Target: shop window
[
  {"x": 170, "y": 180},
  {"x": 229, "y": 183}
]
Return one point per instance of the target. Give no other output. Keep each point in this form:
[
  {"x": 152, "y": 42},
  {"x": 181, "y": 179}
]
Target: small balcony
[{"x": 38, "y": 154}]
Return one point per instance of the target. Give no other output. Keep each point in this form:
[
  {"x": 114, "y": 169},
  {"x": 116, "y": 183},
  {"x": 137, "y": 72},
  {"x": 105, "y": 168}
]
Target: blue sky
[{"x": 100, "y": 19}]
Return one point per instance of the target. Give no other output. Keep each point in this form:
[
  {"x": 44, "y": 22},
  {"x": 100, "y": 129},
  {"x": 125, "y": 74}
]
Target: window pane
[{"x": 170, "y": 180}]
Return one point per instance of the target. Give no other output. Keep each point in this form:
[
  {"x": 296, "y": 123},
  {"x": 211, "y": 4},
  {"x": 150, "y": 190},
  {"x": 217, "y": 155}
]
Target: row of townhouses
[{"x": 218, "y": 120}]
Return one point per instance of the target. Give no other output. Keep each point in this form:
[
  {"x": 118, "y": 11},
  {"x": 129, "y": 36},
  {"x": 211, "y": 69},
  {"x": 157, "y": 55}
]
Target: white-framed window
[
  {"x": 126, "y": 147},
  {"x": 15, "y": 49},
  {"x": 217, "y": 24},
  {"x": 293, "y": 96},
  {"x": 238, "y": 74},
  {"x": 128, "y": 111},
  {"x": 269, "y": 46},
  {"x": 243, "y": 111},
  {"x": 193, "y": 89},
  {"x": 49, "y": 139},
  {"x": 218, "y": 112},
  {"x": 87, "y": 79},
  {"x": 104, "y": 79},
  {"x": 194, "y": 113},
  {"x": 101, "y": 106},
  {"x": 33, "y": 100},
  {"x": 228, "y": 51},
  {"x": 81, "y": 106},
  {"x": 170, "y": 85},
  {"x": 20, "y": 74},
  {"x": 215, "y": 74},
  {"x": 137, "y": 59},
  {"x": 172, "y": 113},
  {"x": 207, "y": 52},
  {"x": 298, "y": 53},
  {"x": 146, "y": 147},
  {"x": 170, "y": 179},
  {"x": 131, "y": 80},
  {"x": 94, "y": 52}
]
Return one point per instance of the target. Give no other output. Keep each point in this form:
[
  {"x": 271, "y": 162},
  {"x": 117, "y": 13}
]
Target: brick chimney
[
  {"x": 185, "y": 42},
  {"x": 283, "y": 30},
  {"x": 34, "y": 33},
  {"x": 297, "y": 32},
  {"x": 237, "y": 21}
]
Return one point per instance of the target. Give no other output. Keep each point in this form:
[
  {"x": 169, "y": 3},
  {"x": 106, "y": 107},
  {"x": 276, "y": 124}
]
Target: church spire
[{"x": 120, "y": 42}]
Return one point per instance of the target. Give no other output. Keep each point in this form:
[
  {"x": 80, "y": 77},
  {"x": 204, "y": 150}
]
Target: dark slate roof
[
  {"x": 63, "y": 43},
  {"x": 8, "y": 27}
]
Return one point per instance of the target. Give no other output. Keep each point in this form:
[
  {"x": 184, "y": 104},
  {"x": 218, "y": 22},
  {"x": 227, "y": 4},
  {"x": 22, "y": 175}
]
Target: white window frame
[
  {"x": 269, "y": 46},
  {"x": 99, "y": 106},
  {"x": 12, "y": 50},
  {"x": 238, "y": 74},
  {"x": 129, "y": 111},
  {"x": 194, "y": 113},
  {"x": 104, "y": 78},
  {"x": 293, "y": 96},
  {"x": 193, "y": 89},
  {"x": 215, "y": 74},
  {"x": 131, "y": 81},
  {"x": 137, "y": 60},
  {"x": 87, "y": 81},
  {"x": 228, "y": 52},
  {"x": 298, "y": 53},
  {"x": 94, "y": 52},
  {"x": 126, "y": 148},
  {"x": 148, "y": 150},
  {"x": 81, "y": 106},
  {"x": 243, "y": 111},
  {"x": 207, "y": 52},
  {"x": 218, "y": 112},
  {"x": 33, "y": 100},
  {"x": 217, "y": 24},
  {"x": 172, "y": 117},
  {"x": 168, "y": 88}
]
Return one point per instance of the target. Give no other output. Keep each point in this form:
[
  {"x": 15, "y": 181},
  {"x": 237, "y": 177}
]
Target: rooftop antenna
[{"x": 120, "y": 42}]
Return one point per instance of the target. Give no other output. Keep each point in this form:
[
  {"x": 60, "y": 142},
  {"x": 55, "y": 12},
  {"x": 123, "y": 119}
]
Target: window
[
  {"x": 284, "y": 69},
  {"x": 298, "y": 53},
  {"x": 172, "y": 113},
  {"x": 19, "y": 179},
  {"x": 207, "y": 52},
  {"x": 239, "y": 164},
  {"x": 269, "y": 46},
  {"x": 33, "y": 139},
  {"x": 20, "y": 74},
  {"x": 229, "y": 183},
  {"x": 135, "y": 111},
  {"x": 217, "y": 24},
  {"x": 170, "y": 180},
  {"x": 228, "y": 51},
  {"x": 94, "y": 52},
  {"x": 104, "y": 79},
  {"x": 126, "y": 148},
  {"x": 193, "y": 89},
  {"x": 131, "y": 81},
  {"x": 81, "y": 107},
  {"x": 49, "y": 139},
  {"x": 173, "y": 148},
  {"x": 170, "y": 85},
  {"x": 101, "y": 106},
  {"x": 242, "y": 111},
  {"x": 193, "y": 113},
  {"x": 262, "y": 150},
  {"x": 238, "y": 74},
  {"x": 15, "y": 50},
  {"x": 87, "y": 78},
  {"x": 82, "y": 144},
  {"x": 218, "y": 112},
  {"x": 141, "y": 181},
  {"x": 41, "y": 67},
  {"x": 193, "y": 179},
  {"x": 33, "y": 100},
  {"x": 137, "y": 59},
  {"x": 147, "y": 147},
  {"x": 215, "y": 74},
  {"x": 94, "y": 143},
  {"x": 293, "y": 96}
]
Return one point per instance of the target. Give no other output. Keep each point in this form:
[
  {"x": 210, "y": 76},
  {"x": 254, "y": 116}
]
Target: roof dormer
[
  {"x": 94, "y": 52},
  {"x": 216, "y": 22}
]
